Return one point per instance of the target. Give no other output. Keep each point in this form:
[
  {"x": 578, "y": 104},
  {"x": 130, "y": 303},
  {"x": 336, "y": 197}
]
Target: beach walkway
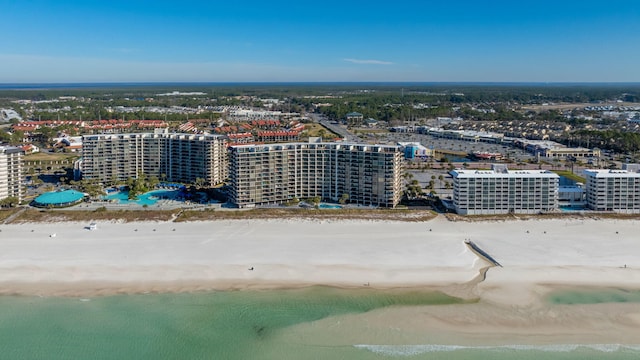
[{"x": 18, "y": 213}]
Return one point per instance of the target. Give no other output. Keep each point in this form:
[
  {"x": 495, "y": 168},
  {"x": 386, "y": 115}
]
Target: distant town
[{"x": 469, "y": 149}]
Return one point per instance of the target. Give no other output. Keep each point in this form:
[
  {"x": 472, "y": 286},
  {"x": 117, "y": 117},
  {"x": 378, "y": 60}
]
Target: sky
[{"x": 62, "y": 41}]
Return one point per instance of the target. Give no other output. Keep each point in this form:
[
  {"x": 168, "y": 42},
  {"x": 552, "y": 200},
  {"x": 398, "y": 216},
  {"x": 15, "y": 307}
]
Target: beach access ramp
[{"x": 483, "y": 254}]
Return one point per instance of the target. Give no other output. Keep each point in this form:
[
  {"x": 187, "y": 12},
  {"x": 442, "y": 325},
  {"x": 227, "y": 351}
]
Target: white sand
[{"x": 218, "y": 254}]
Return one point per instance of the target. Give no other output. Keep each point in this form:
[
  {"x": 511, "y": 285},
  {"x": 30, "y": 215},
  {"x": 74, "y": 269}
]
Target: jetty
[{"x": 476, "y": 249}]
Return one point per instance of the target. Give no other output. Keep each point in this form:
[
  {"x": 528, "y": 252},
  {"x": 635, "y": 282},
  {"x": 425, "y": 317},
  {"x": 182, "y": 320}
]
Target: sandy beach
[
  {"x": 537, "y": 256},
  {"x": 157, "y": 256}
]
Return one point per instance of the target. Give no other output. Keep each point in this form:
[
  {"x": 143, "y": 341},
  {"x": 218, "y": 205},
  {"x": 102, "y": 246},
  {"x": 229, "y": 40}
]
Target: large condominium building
[
  {"x": 501, "y": 191},
  {"x": 277, "y": 173},
  {"x": 11, "y": 172},
  {"x": 614, "y": 190},
  {"x": 172, "y": 157}
]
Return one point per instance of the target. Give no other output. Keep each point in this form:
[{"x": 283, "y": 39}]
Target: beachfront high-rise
[
  {"x": 614, "y": 190},
  {"x": 277, "y": 173},
  {"x": 171, "y": 157},
  {"x": 11, "y": 172},
  {"x": 502, "y": 191}
]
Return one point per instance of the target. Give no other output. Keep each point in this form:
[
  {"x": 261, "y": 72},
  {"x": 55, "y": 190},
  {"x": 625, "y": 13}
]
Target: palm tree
[{"x": 200, "y": 182}]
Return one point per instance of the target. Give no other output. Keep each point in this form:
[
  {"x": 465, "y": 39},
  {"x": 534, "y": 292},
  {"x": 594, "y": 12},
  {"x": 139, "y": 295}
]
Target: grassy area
[
  {"x": 35, "y": 215},
  {"x": 6, "y": 213},
  {"x": 570, "y": 175},
  {"x": 50, "y": 157},
  {"x": 299, "y": 213},
  {"x": 314, "y": 129},
  {"x": 43, "y": 216},
  {"x": 555, "y": 215}
]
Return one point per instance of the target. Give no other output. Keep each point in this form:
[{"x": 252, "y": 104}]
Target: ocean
[{"x": 249, "y": 324}]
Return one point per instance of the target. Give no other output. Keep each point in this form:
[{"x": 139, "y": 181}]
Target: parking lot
[{"x": 431, "y": 142}]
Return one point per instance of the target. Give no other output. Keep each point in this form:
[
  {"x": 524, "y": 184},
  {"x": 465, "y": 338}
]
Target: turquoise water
[
  {"x": 234, "y": 325},
  {"x": 329, "y": 206},
  {"x": 599, "y": 296},
  {"x": 59, "y": 197},
  {"x": 148, "y": 198},
  {"x": 571, "y": 208}
]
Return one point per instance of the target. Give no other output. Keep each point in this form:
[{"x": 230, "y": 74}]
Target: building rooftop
[
  {"x": 611, "y": 173},
  {"x": 628, "y": 170},
  {"x": 501, "y": 171}
]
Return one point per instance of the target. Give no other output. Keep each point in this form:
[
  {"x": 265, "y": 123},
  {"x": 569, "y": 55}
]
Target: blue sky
[{"x": 222, "y": 41}]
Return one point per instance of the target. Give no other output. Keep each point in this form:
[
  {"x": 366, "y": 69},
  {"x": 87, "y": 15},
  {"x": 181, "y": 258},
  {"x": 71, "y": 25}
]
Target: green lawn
[
  {"x": 570, "y": 175},
  {"x": 50, "y": 157}
]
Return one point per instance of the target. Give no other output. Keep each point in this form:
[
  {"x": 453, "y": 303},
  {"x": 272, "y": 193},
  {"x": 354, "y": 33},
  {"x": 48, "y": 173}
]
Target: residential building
[
  {"x": 167, "y": 156},
  {"x": 614, "y": 190},
  {"x": 241, "y": 138},
  {"x": 278, "y": 173},
  {"x": 278, "y": 136},
  {"x": 572, "y": 196},
  {"x": 11, "y": 173},
  {"x": 103, "y": 126},
  {"x": 503, "y": 191}
]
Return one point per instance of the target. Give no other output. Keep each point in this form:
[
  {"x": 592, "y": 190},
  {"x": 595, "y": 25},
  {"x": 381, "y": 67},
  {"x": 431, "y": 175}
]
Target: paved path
[{"x": 10, "y": 218}]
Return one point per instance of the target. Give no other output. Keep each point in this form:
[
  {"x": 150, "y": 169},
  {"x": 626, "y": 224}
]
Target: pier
[{"x": 481, "y": 252}]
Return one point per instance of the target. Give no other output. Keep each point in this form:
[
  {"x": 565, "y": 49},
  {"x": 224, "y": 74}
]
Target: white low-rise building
[
  {"x": 9, "y": 114},
  {"x": 571, "y": 195},
  {"x": 503, "y": 191},
  {"x": 614, "y": 190}
]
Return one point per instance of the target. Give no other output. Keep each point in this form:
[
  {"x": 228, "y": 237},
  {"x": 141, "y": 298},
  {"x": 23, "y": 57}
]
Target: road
[{"x": 336, "y": 128}]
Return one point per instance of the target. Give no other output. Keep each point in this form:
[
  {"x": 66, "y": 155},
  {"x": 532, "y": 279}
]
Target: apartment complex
[
  {"x": 171, "y": 157},
  {"x": 614, "y": 190},
  {"x": 11, "y": 172},
  {"x": 502, "y": 191},
  {"x": 277, "y": 173}
]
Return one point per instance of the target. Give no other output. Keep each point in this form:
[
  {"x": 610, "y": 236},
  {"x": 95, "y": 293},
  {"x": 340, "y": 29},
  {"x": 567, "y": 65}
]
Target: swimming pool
[
  {"x": 329, "y": 206},
  {"x": 571, "y": 208},
  {"x": 60, "y": 198},
  {"x": 148, "y": 198}
]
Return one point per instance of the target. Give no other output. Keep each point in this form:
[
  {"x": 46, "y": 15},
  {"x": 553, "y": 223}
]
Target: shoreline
[{"x": 505, "y": 305}]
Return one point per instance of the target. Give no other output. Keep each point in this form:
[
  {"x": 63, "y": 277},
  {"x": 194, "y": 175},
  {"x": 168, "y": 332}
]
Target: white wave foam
[{"x": 412, "y": 350}]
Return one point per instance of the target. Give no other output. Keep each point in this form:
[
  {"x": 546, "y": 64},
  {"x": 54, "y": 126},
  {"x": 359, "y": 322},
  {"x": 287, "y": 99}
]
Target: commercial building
[
  {"x": 354, "y": 117},
  {"x": 465, "y": 135},
  {"x": 614, "y": 190},
  {"x": 415, "y": 150},
  {"x": 277, "y": 173},
  {"x": 11, "y": 173},
  {"x": 553, "y": 150},
  {"x": 501, "y": 191},
  {"x": 172, "y": 157}
]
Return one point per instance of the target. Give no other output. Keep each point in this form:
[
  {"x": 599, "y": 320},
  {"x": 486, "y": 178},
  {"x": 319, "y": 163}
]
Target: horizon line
[{"x": 36, "y": 85}]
